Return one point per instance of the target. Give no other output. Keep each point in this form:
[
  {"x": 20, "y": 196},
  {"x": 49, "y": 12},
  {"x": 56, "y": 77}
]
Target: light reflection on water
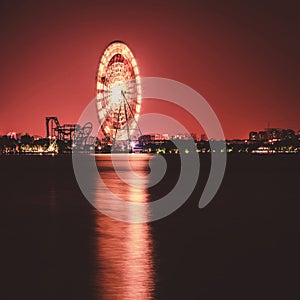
[{"x": 124, "y": 250}]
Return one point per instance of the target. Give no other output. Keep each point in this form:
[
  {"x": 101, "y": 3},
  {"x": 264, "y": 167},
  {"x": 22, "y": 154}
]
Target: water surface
[{"x": 56, "y": 245}]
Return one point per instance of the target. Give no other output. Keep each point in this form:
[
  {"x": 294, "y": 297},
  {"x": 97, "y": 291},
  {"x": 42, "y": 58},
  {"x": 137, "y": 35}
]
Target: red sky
[{"x": 242, "y": 56}]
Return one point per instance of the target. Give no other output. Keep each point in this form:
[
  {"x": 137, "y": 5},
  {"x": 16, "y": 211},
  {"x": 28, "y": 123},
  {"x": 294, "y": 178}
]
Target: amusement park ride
[
  {"x": 118, "y": 103},
  {"x": 118, "y": 96},
  {"x": 68, "y": 133},
  {"x": 57, "y": 131}
]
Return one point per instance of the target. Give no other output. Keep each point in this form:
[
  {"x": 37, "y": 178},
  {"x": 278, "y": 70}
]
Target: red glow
[{"x": 244, "y": 62}]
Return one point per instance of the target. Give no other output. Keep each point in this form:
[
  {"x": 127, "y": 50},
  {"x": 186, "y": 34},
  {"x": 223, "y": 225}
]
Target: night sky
[{"x": 242, "y": 56}]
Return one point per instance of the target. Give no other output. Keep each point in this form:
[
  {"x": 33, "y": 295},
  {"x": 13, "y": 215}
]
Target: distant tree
[
  {"x": 8, "y": 144},
  {"x": 26, "y": 139}
]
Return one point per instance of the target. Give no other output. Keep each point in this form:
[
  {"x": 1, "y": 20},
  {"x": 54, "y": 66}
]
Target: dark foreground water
[{"x": 244, "y": 245}]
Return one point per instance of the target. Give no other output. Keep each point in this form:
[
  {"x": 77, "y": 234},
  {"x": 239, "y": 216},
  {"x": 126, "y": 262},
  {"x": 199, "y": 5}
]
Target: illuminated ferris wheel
[{"x": 118, "y": 93}]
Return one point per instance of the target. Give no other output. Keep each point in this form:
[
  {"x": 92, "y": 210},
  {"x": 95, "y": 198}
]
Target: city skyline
[
  {"x": 171, "y": 133},
  {"x": 244, "y": 61},
  {"x": 264, "y": 134}
]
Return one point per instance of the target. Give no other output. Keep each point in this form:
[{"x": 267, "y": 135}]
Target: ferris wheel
[{"x": 118, "y": 94}]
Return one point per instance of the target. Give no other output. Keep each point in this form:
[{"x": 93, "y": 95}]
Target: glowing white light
[
  {"x": 101, "y": 114},
  {"x": 139, "y": 89},
  {"x": 116, "y": 94},
  {"x": 138, "y": 108},
  {"x": 138, "y": 79}
]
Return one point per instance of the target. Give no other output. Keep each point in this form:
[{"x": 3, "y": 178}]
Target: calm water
[{"x": 56, "y": 245}]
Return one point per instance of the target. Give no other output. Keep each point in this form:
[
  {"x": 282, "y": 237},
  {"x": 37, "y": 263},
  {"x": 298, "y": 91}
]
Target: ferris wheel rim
[{"x": 117, "y": 53}]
